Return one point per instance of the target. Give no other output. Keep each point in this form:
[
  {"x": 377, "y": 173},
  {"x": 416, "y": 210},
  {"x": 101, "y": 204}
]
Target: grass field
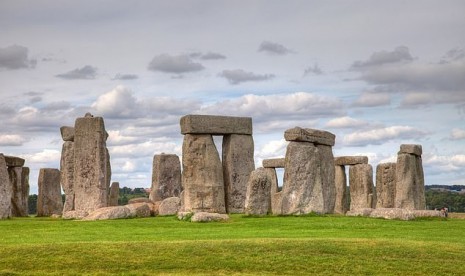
[{"x": 243, "y": 246}]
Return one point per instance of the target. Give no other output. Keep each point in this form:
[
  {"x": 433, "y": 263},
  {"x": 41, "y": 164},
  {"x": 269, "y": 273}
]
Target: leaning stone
[
  {"x": 271, "y": 172},
  {"x": 273, "y": 163},
  {"x": 341, "y": 205},
  {"x": 385, "y": 185},
  {"x": 114, "y": 194},
  {"x": 202, "y": 175},
  {"x": 6, "y": 190},
  {"x": 350, "y": 160},
  {"x": 392, "y": 213},
  {"x": 315, "y": 136},
  {"x": 19, "y": 178},
  {"x": 139, "y": 210},
  {"x": 258, "y": 199},
  {"x": 49, "y": 200},
  {"x": 113, "y": 212},
  {"x": 67, "y": 174},
  {"x": 13, "y": 161},
  {"x": 169, "y": 206},
  {"x": 215, "y": 125},
  {"x": 276, "y": 203},
  {"x": 410, "y": 185},
  {"x": 238, "y": 163},
  {"x": 411, "y": 149},
  {"x": 361, "y": 186},
  {"x": 67, "y": 133},
  {"x": 362, "y": 212},
  {"x": 166, "y": 177},
  {"x": 74, "y": 214},
  {"x": 208, "y": 217}
]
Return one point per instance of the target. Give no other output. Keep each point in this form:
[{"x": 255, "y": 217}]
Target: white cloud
[
  {"x": 45, "y": 158},
  {"x": 382, "y": 135},
  {"x": 271, "y": 149},
  {"x": 372, "y": 99},
  {"x": 457, "y": 134},
  {"x": 116, "y": 103},
  {"x": 238, "y": 76},
  {"x": 345, "y": 122},
  {"x": 12, "y": 140},
  {"x": 125, "y": 77},
  {"x": 115, "y": 137},
  {"x": 145, "y": 149},
  {"x": 174, "y": 64}
]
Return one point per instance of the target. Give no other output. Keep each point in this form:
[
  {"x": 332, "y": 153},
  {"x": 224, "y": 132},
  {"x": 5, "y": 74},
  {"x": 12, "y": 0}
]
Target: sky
[{"x": 377, "y": 74}]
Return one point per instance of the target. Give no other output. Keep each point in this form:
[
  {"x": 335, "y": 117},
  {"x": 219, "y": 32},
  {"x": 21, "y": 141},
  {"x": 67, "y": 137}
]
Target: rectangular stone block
[
  {"x": 67, "y": 133},
  {"x": 350, "y": 160},
  {"x": 6, "y": 190},
  {"x": 315, "y": 136},
  {"x": 273, "y": 163},
  {"x": 341, "y": 205},
  {"x": 13, "y": 161},
  {"x": 19, "y": 179},
  {"x": 166, "y": 177},
  {"x": 49, "y": 200},
  {"x": 411, "y": 149},
  {"x": 215, "y": 125}
]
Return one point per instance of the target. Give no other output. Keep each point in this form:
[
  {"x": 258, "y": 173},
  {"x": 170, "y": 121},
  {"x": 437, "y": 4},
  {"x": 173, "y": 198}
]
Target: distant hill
[{"x": 457, "y": 188}]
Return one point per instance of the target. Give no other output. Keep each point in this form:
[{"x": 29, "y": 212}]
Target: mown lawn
[{"x": 245, "y": 246}]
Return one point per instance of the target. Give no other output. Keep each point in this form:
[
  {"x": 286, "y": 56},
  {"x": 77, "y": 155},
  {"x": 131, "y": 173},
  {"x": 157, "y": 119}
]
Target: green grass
[{"x": 246, "y": 246}]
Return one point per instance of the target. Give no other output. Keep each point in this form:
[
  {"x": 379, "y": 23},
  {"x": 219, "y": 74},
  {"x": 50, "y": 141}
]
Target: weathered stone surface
[
  {"x": 13, "y": 161},
  {"x": 208, "y": 217},
  {"x": 427, "y": 213},
  {"x": 67, "y": 174},
  {"x": 49, "y": 200},
  {"x": 361, "y": 212},
  {"x": 19, "y": 179},
  {"x": 350, "y": 160},
  {"x": 74, "y": 214},
  {"x": 155, "y": 206},
  {"x": 411, "y": 149},
  {"x": 202, "y": 175},
  {"x": 308, "y": 179},
  {"x": 169, "y": 206},
  {"x": 361, "y": 187},
  {"x": 385, "y": 185},
  {"x": 91, "y": 164},
  {"x": 114, "y": 194},
  {"x": 67, "y": 133},
  {"x": 238, "y": 163},
  {"x": 140, "y": 200},
  {"x": 113, "y": 212},
  {"x": 258, "y": 199},
  {"x": 341, "y": 205},
  {"x": 315, "y": 136},
  {"x": 139, "y": 210},
  {"x": 6, "y": 190},
  {"x": 273, "y": 163},
  {"x": 392, "y": 213},
  {"x": 276, "y": 203},
  {"x": 274, "y": 179},
  {"x": 410, "y": 183},
  {"x": 166, "y": 177},
  {"x": 215, "y": 125}
]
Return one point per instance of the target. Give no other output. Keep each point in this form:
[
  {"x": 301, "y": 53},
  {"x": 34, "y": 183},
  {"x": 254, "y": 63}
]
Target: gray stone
[
  {"x": 308, "y": 179},
  {"x": 169, "y": 206},
  {"x": 114, "y": 194},
  {"x": 140, "y": 200},
  {"x": 276, "y": 203},
  {"x": 208, "y": 217},
  {"x": 315, "y": 136},
  {"x": 91, "y": 164},
  {"x": 350, "y": 160},
  {"x": 19, "y": 179},
  {"x": 427, "y": 213},
  {"x": 74, "y": 214},
  {"x": 410, "y": 183},
  {"x": 113, "y": 212},
  {"x": 166, "y": 177},
  {"x": 202, "y": 175},
  {"x": 6, "y": 190},
  {"x": 392, "y": 213},
  {"x": 139, "y": 210},
  {"x": 274, "y": 179},
  {"x": 361, "y": 212},
  {"x": 67, "y": 133},
  {"x": 67, "y": 174},
  {"x": 13, "y": 161},
  {"x": 49, "y": 200},
  {"x": 258, "y": 199},
  {"x": 411, "y": 149},
  {"x": 385, "y": 185},
  {"x": 238, "y": 163},
  {"x": 341, "y": 205},
  {"x": 215, "y": 125},
  {"x": 273, "y": 163},
  {"x": 361, "y": 187}
]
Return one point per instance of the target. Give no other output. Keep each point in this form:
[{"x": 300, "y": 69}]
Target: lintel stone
[
  {"x": 350, "y": 160},
  {"x": 13, "y": 161},
  {"x": 411, "y": 149},
  {"x": 67, "y": 133},
  {"x": 215, "y": 125},
  {"x": 273, "y": 163},
  {"x": 315, "y": 136}
]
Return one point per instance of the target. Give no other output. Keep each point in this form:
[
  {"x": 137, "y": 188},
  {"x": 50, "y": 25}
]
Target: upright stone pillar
[
  {"x": 410, "y": 183},
  {"x": 258, "y": 199},
  {"x": 385, "y": 185},
  {"x": 270, "y": 166},
  {"x": 19, "y": 178},
  {"x": 309, "y": 172},
  {"x": 91, "y": 164},
  {"x": 166, "y": 177},
  {"x": 6, "y": 190},
  {"x": 67, "y": 167},
  {"x": 49, "y": 200},
  {"x": 202, "y": 175},
  {"x": 361, "y": 187},
  {"x": 238, "y": 163},
  {"x": 114, "y": 194},
  {"x": 342, "y": 199}
]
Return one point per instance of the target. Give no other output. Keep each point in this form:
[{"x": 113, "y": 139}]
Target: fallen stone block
[
  {"x": 139, "y": 210},
  {"x": 208, "y": 217},
  {"x": 140, "y": 200},
  {"x": 113, "y": 212},
  {"x": 74, "y": 214},
  {"x": 169, "y": 206}
]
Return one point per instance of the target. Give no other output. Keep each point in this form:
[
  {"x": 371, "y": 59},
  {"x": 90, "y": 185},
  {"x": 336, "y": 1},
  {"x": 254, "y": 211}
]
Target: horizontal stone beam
[
  {"x": 215, "y": 125},
  {"x": 67, "y": 133},
  {"x": 273, "y": 163},
  {"x": 350, "y": 160},
  {"x": 411, "y": 149},
  {"x": 13, "y": 161},
  {"x": 315, "y": 136}
]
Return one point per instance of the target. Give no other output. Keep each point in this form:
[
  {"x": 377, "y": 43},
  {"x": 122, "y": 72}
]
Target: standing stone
[
  {"x": 258, "y": 200},
  {"x": 385, "y": 185},
  {"x": 410, "y": 183},
  {"x": 361, "y": 187},
  {"x": 91, "y": 164},
  {"x": 202, "y": 175},
  {"x": 19, "y": 179},
  {"x": 166, "y": 177},
  {"x": 49, "y": 200},
  {"x": 6, "y": 190},
  {"x": 276, "y": 203},
  {"x": 114, "y": 194},
  {"x": 342, "y": 198},
  {"x": 67, "y": 173},
  {"x": 238, "y": 163},
  {"x": 271, "y": 172}
]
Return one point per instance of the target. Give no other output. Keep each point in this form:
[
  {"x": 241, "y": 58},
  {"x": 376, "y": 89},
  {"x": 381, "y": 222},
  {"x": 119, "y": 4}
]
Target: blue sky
[{"x": 375, "y": 73}]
